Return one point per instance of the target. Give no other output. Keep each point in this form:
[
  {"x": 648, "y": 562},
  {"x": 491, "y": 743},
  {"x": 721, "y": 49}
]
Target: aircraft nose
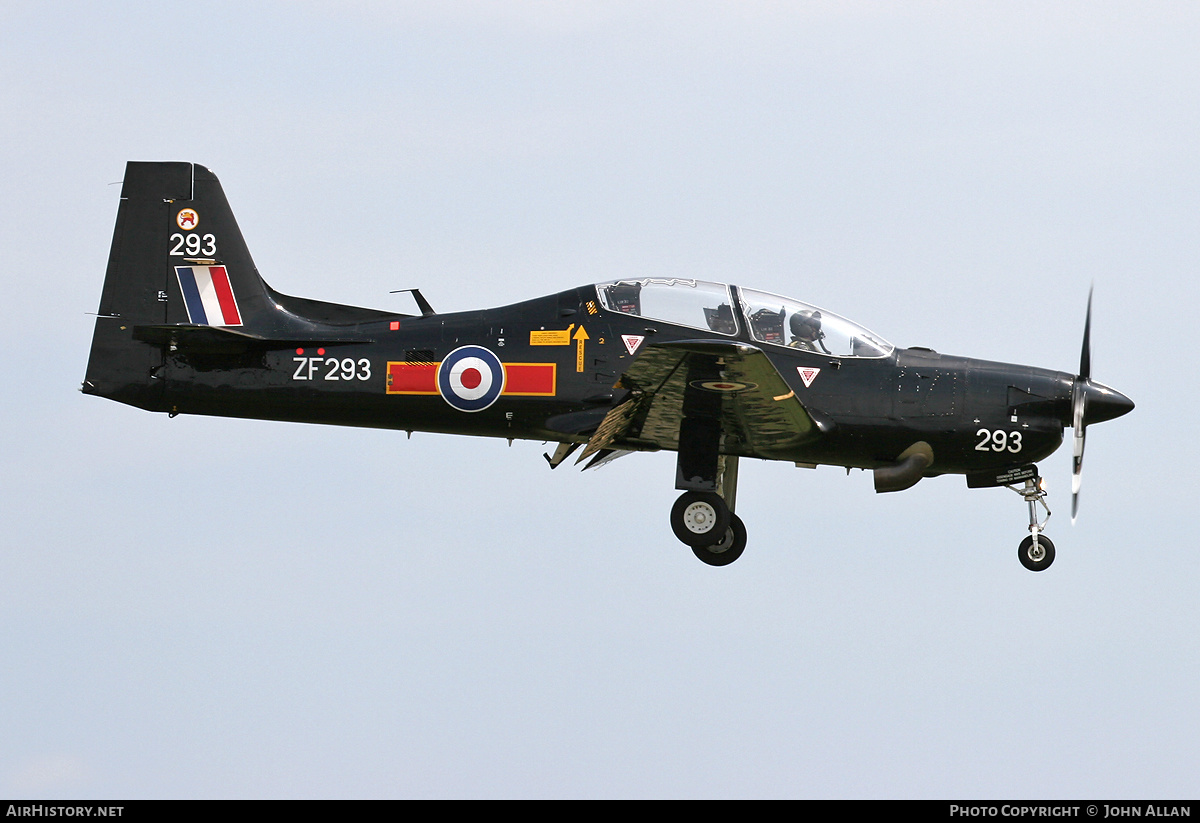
[{"x": 1102, "y": 403}]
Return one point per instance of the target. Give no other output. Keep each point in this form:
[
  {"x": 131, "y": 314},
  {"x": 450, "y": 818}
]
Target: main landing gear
[
  {"x": 702, "y": 518},
  {"x": 703, "y": 521},
  {"x": 1036, "y": 552}
]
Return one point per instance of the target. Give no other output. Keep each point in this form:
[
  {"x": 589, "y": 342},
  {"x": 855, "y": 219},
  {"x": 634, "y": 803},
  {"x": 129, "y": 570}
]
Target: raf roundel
[
  {"x": 724, "y": 386},
  {"x": 470, "y": 378}
]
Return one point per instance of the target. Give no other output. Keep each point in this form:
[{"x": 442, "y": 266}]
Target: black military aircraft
[{"x": 711, "y": 371}]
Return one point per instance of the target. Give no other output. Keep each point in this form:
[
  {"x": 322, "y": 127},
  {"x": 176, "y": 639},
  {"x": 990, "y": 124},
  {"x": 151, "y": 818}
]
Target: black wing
[{"x": 735, "y": 383}]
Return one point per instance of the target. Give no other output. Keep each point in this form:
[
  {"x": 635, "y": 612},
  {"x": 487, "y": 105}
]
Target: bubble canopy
[{"x": 765, "y": 318}]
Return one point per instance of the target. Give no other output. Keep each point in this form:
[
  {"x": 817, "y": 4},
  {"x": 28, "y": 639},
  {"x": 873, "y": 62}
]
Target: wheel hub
[
  {"x": 699, "y": 517},
  {"x": 724, "y": 544}
]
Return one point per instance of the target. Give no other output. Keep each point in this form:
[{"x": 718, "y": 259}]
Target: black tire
[
  {"x": 697, "y": 517},
  {"x": 729, "y": 549},
  {"x": 1029, "y": 560}
]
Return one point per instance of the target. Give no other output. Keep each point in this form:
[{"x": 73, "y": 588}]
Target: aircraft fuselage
[{"x": 713, "y": 372}]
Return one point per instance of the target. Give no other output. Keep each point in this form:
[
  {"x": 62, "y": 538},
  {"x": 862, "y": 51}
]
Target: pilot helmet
[{"x": 806, "y": 325}]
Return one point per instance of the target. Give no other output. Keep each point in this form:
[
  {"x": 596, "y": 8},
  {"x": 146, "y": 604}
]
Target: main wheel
[
  {"x": 698, "y": 517},
  {"x": 1036, "y": 560},
  {"x": 729, "y": 549}
]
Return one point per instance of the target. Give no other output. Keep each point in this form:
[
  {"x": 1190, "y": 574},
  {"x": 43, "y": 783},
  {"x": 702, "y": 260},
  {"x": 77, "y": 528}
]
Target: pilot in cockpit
[
  {"x": 806, "y": 331},
  {"x": 721, "y": 319}
]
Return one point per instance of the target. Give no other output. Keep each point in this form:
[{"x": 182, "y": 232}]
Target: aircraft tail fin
[
  {"x": 178, "y": 255},
  {"x": 177, "y": 258},
  {"x": 180, "y": 278}
]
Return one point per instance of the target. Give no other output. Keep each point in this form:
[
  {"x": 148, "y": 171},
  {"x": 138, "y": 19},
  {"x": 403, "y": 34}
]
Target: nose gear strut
[{"x": 1036, "y": 552}]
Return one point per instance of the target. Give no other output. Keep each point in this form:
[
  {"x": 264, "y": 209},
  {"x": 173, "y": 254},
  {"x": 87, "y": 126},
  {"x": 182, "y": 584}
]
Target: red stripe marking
[
  {"x": 536, "y": 379},
  {"x": 229, "y": 312},
  {"x": 530, "y": 378},
  {"x": 412, "y": 378}
]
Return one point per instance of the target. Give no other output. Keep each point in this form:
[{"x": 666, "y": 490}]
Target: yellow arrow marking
[{"x": 581, "y": 336}]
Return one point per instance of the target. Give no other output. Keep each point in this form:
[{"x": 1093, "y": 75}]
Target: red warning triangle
[
  {"x": 632, "y": 341},
  {"x": 808, "y": 375}
]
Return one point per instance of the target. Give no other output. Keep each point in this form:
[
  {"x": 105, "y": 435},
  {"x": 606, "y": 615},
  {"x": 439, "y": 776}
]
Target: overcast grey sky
[{"x": 218, "y": 608}]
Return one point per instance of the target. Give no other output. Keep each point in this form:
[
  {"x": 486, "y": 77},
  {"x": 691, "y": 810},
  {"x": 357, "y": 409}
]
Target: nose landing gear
[{"x": 1036, "y": 552}]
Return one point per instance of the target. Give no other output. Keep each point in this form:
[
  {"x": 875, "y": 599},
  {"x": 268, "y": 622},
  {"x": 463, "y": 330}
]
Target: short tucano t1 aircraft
[{"x": 713, "y": 372}]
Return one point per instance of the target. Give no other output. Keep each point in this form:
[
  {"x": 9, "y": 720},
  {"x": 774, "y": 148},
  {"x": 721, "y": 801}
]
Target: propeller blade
[
  {"x": 1079, "y": 394},
  {"x": 1078, "y": 411},
  {"x": 1085, "y": 357},
  {"x": 1091, "y": 402}
]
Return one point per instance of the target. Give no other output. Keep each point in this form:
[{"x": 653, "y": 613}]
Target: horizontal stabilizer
[{"x": 215, "y": 339}]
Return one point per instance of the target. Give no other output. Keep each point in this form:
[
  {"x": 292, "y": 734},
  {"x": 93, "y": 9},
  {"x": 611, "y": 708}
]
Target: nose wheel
[
  {"x": 1036, "y": 556},
  {"x": 1036, "y": 552}
]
